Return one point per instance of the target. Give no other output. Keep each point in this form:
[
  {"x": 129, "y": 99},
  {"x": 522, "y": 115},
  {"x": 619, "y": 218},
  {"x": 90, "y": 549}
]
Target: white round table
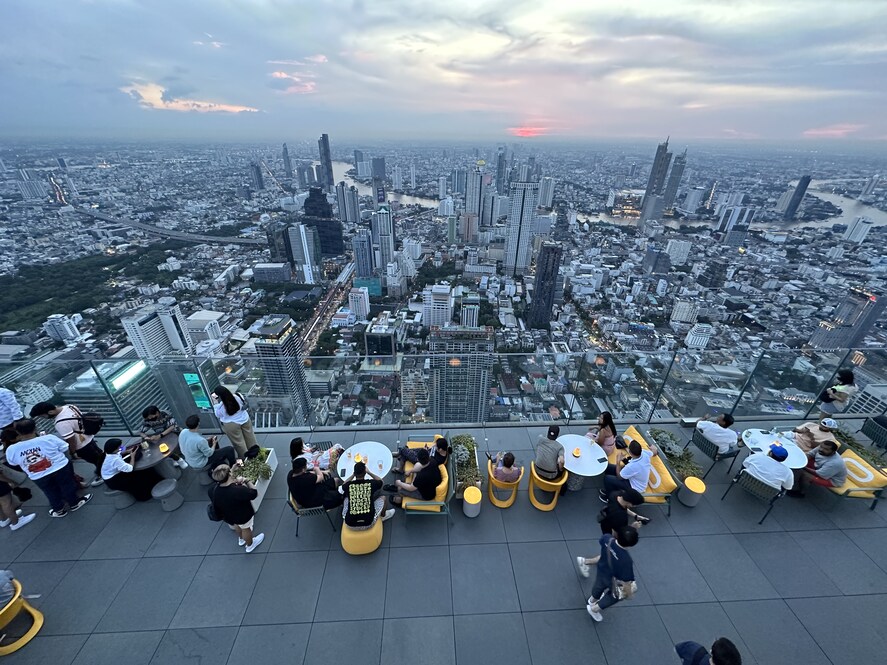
[
  {"x": 378, "y": 454},
  {"x": 759, "y": 441},
  {"x": 592, "y": 460}
]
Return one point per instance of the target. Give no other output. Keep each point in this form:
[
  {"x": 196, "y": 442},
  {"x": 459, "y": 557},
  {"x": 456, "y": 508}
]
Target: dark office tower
[
  {"x": 358, "y": 157},
  {"x": 561, "y": 222},
  {"x": 656, "y": 262},
  {"x": 305, "y": 174},
  {"x": 656, "y": 182},
  {"x": 325, "y": 177},
  {"x": 319, "y": 216},
  {"x": 362, "y": 246},
  {"x": 461, "y": 364},
  {"x": 63, "y": 165},
  {"x": 501, "y": 172},
  {"x": 318, "y": 175},
  {"x": 281, "y": 356},
  {"x": 276, "y": 234},
  {"x": 255, "y": 174},
  {"x": 674, "y": 181},
  {"x": 797, "y": 197},
  {"x": 547, "y": 275},
  {"x": 853, "y": 319},
  {"x": 460, "y": 181},
  {"x": 379, "y": 171},
  {"x": 287, "y": 163},
  {"x": 714, "y": 276},
  {"x": 316, "y": 205}
]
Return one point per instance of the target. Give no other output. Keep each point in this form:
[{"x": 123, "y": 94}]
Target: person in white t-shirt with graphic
[
  {"x": 44, "y": 460},
  {"x": 69, "y": 426}
]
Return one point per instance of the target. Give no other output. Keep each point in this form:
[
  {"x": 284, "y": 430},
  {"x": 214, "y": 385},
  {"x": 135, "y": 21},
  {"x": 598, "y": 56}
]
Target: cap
[
  {"x": 778, "y": 453},
  {"x": 831, "y": 423}
]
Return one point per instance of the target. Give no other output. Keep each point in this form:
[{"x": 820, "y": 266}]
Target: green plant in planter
[
  {"x": 257, "y": 467},
  {"x": 866, "y": 453},
  {"x": 464, "y": 454},
  {"x": 680, "y": 459}
]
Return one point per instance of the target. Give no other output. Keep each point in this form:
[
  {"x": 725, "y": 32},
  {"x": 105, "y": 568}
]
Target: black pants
[
  {"x": 94, "y": 455},
  {"x": 226, "y": 455},
  {"x": 612, "y": 482},
  {"x": 138, "y": 483}
]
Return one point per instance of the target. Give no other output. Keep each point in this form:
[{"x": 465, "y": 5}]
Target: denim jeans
[
  {"x": 59, "y": 487},
  {"x": 602, "y": 593},
  {"x": 692, "y": 653}
]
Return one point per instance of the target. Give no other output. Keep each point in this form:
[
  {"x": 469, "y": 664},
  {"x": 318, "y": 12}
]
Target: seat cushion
[
  {"x": 440, "y": 495},
  {"x": 362, "y": 541},
  {"x": 661, "y": 481},
  {"x": 860, "y": 476}
]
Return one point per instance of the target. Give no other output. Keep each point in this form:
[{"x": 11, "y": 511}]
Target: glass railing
[{"x": 478, "y": 389}]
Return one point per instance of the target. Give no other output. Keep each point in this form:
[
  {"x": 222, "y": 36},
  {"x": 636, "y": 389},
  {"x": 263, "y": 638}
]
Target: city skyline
[{"x": 745, "y": 70}]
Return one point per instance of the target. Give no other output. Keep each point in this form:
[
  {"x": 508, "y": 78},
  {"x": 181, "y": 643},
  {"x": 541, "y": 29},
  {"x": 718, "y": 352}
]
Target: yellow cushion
[
  {"x": 661, "y": 481},
  {"x": 363, "y": 541},
  {"x": 440, "y": 495},
  {"x": 860, "y": 476}
]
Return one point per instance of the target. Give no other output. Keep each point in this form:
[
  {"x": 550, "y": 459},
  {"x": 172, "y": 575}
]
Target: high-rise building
[
  {"x": 474, "y": 196},
  {"x": 656, "y": 262},
  {"x": 714, "y": 276},
  {"x": 460, "y": 181},
  {"x": 379, "y": 170},
  {"x": 684, "y": 311},
  {"x": 61, "y": 328},
  {"x": 501, "y": 172},
  {"x": 383, "y": 234},
  {"x": 869, "y": 186},
  {"x": 468, "y": 227},
  {"x": 796, "y": 198},
  {"x": 546, "y": 193},
  {"x": 348, "y": 203},
  {"x": 362, "y": 246},
  {"x": 679, "y": 251},
  {"x": 470, "y": 313},
  {"x": 659, "y": 170},
  {"x": 442, "y": 187},
  {"x": 547, "y": 276},
  {"x": 397, "y": 179},
  {"x": 158, "y": 330},
  {"x": 858, "y": 230},
  {"x": 654, "y": 207},
  {"x": 852, "y": 320},
  {"x": 358, "y": 157},
  {"x": 287, "y": 163},
  {"x": 275, "y": 231},
  {"x": 437, "y": 305},
  {"x": 519, "y": 229},
  {"x": 693, "y": 200},
  {"x": 255, "y": 174},
  {"x": 281, "y": 356},
  {"x": 736, "y": 216},
  {"x": 461, "y": 363},
  {"x": 674, "y": 180},
  {"x": 359, "y": 302},
  {"x": 412, "y": 176},
  {"x": 303, "y": 250},
  {"x": 699, "y": 336},
  {"x": 326, "y": 163},
  {"x": 319, "y": 216},
  {"x": 871, "y": 399},
  {"x": 272, "y": 273}
]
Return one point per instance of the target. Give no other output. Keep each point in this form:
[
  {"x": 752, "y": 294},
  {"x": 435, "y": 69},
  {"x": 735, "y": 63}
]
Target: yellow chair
[
  {"x": 440, "y": 505},
  {"x": 15, "y": 605},
  {"x": 863, "y": 480},
  {"x": 662, "y": 484},
  {"x": 545, "y": 486},
  {"x": 362, "y": 541},
  {"x": 498, "y": 484}
]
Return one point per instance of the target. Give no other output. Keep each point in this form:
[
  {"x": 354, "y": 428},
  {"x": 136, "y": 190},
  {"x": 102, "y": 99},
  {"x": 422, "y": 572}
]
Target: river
[
  {"x": 851, "y": 208},
  {"x": 340, "y": 168}
]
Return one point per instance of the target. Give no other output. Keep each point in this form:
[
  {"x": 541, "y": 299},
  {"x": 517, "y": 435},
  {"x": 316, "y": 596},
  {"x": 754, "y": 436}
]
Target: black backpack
[{"x": 90, "y": 422}]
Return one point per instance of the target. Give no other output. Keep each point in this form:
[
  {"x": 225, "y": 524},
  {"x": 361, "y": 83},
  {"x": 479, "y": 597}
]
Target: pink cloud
[
  {"x": 298, "y": 85},
  {"x": 527, "y": 132},
  {"x": 837, "y": 131},
  {"x": 151, "y": 96},
  {"x": 320, "y": 57}
]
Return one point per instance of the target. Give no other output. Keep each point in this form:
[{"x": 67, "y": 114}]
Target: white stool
[
  {"x": 203, "y": 477},
  {"x": 165, "y": 492},
  {"x": 121, "y": 499}
]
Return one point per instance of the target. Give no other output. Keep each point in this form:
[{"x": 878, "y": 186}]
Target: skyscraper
[
  {"x": 397, "y": 179},
  {"x": 255, "y": 174},
  {"x": 519, "y": 229},
  {"x": 470, "y": 310},
  {"x": 281, "y": 356},
  {"x": 61, "y": 328},
  {"x": 853, "y": 319},
  {"x": 362, "y": 246},
  {"x": 412, "y": 176},
  {"x": 359, "y": 302},
  {"x": 437, "y": 305},
  {"x": 460, "y": 181},
  {"x": 303, "y": 250},
  {"x": 287, "y": 163},
  {"x": 547, "y": 275},
  {"x": 736, "y": 215},
  {"x": 379, "y": 169},
  {"x": 348, "y": 203},
  {"x": 858, "y": 230},
  {"x": 358, "y": 157},
  {"x": 326, "y": 163},
  {"x": 501, "y": 171},
  {"x": 461, "y": 363},
  {"x": 474, "y": 196},
  {"x": 797, "y": 196},
  {"x": 546, "y": 193},
  {"x": 319, "y": 216},
  {"x": 383, "y": 234},
  {"x": 158, "y": 330},
  {"x": 869, "y": 186},
  {"x": 656, "y": 181},
  {"x": 674, "y": 180}
]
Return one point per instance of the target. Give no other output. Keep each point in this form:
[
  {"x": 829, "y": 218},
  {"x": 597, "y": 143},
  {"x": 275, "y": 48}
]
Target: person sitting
[
  {"x": 771, "y": 468},
  {"x": 424, "y": 483},
  {"x": 824, "y": 467},
  {"x": 549, "y": 455},
  {"x": 505, "y": 471},
  {"x": 631, "y": 471},
  {"x": 119, "y": 474},
  {"x": 809, "y": 435},
  {"x": 723, "y": 652},
  {"x": 327, "y": 459},
  {"x": 232, "y": 502},
  {"x": 298, "y": 448},
  {"x": 719, "y": 432},
  {"x": 605, "y": 433},
  {"x": 314, "y": 488},
  {"x": 157, "y": 424},
  {"x": 364, "y": 501},
  {"x": 201, "y": 453},
  {"x": 439, "y": 450}
]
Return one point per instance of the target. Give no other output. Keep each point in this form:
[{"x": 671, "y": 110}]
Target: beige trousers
[{"x": 242, "y": 437}]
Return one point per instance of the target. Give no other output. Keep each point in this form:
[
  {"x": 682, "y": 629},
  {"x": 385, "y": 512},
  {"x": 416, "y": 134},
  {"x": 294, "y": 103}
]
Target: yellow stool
[
  {"x": 364, "y": 541},
  {"x": 15, "y": 605},
  {"x": 546, "y": 486},
  {"x": 498, "y": 484},
  {"x": 692, "y": 491}
]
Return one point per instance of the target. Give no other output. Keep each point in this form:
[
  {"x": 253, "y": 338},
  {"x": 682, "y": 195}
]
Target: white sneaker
[
  {"x": 25, "y": 519},
  {"x": 3, "y": 523},
  {"x": 181, "y": 463},
  {"x": 583, "y": 567},
  {"x": 241, "y": 542},
  {"x": 594, "y": 612},
  {"x": 257, "y": 540},
  {"x": 388, "y": 514},
  {"x": 95, "y": 482}
]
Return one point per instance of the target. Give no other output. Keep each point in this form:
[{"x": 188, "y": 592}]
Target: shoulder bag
[
  {"x": 211, "y": 508},
  {"x": 621, "y": 590}
]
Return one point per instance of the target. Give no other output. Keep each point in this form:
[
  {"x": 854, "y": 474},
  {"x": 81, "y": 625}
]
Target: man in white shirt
[
  {"x": 44, "y": 460},
  {"x": 631, "y": 471},
  {"x": 719, "y": 432},
  {"x": 771, "y": 468},
  {"x": 69, "y": 426},
  {"x": 10, "y": 411}
]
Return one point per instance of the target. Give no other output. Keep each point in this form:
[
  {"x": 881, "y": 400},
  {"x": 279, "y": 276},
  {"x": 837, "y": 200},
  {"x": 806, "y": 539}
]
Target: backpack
[{"x": 90, "y": 423}]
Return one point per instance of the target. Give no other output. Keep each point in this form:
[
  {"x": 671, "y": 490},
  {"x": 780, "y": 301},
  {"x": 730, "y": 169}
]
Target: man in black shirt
[
  {"x": 363, "y": 499},
  {"x": 315, "y": 488},
  {"x": 424, "y": 485},
  {"x": 618, "y": 512}
]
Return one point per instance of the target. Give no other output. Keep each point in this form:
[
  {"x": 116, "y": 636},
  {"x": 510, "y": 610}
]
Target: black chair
[
  {"x": 757, "y": 488},
  {"x": 308, "y": 512},
  {"x": 710, "y": 450},
  {"x": 876, "y": 430}
]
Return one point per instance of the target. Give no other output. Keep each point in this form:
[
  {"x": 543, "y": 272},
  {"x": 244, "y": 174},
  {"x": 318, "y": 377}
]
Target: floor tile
[
  {"x": 524, "y": 523},
  {"x": 287, "y": 589},
  {"x": 430, "y": 562},
  {"x": 576, "y": 514},
  {"x": 670, "y": 575},
  {"x": 491, "y": 639},
  {"x": 346, "y": 642},
  {"x": 849, "y": 630},
  {"x": 282, "y": 644},
  {"x": 353, "y": 587},
  {"x": 220, "y": 591},
  {"x": 633, "y": 634},
  {"x": 434, "y": 633},
  {"x": 703, "y": 623},
  {"x": 488, "y": 527},
  {"x": 14, "y": 543},
  {"x": 845, "y": 564},
  {"x": 187, "y": 531},
  {"x": 417, "y": 530},
  {"x": 195, "y": 646},
  {"x": 804, "y": 577},
  {"x": 789, "y": 644},
  {"x": 873, "y": 542},
  {"x": 67, "y": 538},
  {"x": 129, "y": 533},
  {"x": 730, "y": 573},
  {"x": 545, "y": 575},
  {"x": 590, "y": 549},
  {"x": 699, "y": 520},
  {"x": 115, "y": 648},
  {"x": 48, "y": 650},
  {"x": 40, "y": 578},
  {"x": 315, "y": 533},
  {"x": 562, "y": 637},
  {"x": 741, "y": 512},
  {"x": 482, "y": 579},
  {"x": 846, "y": 513},
  {"x": 151, "y": 595}
]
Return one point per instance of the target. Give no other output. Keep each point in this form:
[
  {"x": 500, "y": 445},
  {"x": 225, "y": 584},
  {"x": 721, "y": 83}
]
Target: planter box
[
  {"x": 478, "y": 484},
  {"x": 262, "y": 484}
]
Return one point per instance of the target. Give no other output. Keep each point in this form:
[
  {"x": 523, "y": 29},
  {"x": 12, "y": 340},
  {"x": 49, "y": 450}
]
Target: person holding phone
[
  {"x": 230, "y": 408},
  {"x": 201, "y": 453},
  {"x": 119, "y": 473}
]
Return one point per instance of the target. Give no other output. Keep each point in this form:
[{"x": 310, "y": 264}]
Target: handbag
[
  {"x": 826, "y": 397},
  {"x": 621, "y": 590},
  {"x": 211, "y": 508}
]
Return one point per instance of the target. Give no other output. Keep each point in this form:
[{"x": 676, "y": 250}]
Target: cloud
[
  {"x": 293, "y": 84},
  {"x": 153, "y": 96},
  {"x": 527, "y": 132},
  {"x": 213, "y": 44},
  {"x": 320, "y": 57},
  {"x": 839, "y": 131}
]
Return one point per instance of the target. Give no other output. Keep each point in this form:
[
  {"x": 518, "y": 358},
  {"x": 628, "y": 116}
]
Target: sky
[{"x": 240, "y": 70}]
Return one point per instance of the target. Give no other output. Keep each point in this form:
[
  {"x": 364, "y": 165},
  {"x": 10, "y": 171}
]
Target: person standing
[
  {"x": 231, "y": 411},
  {"x": 69, "y": 426},
  {"x": 615, "y": 571},
  {"x": 837, "y": 398},
  {"x": 10, "y": 411},
  {"x": 723, "y": 652},
  {"x": 231, "y": 500},
  {"x": 44, "y": 460}
]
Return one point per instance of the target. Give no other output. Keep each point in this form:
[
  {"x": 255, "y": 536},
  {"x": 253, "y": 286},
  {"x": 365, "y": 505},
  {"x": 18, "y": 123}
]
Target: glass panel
[
  {"x": 869, "y": 368},
  {"x": 706, "y": 382}
]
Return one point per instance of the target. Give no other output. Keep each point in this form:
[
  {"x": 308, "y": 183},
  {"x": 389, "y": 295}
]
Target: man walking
[{"x": 615, "y": 571}]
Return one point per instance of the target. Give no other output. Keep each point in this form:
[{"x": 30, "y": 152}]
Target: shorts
[
  {"x": 245, "y": 525},
  {"x": 814, "y": 477}
]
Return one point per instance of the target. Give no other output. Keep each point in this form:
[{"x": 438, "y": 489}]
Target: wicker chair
[
  {"x": 756, "y": 488},
  {"x": 308, "y": 512}
]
